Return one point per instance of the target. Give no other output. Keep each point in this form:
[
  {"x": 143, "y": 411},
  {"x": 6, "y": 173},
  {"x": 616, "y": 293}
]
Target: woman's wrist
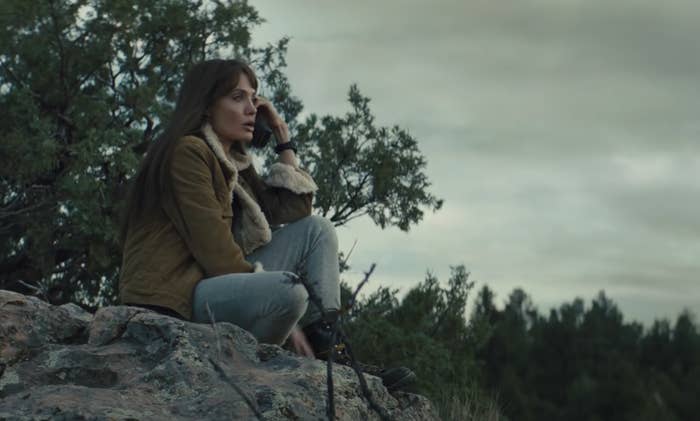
[
  {"x": 285, "y": 146},
  {"x": 288, "y": 157}
]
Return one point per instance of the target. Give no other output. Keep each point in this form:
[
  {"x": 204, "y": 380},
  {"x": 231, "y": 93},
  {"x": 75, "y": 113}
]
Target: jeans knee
[
  {"x": 297, "y": 300},
  {"x": 323, "y": 226}
]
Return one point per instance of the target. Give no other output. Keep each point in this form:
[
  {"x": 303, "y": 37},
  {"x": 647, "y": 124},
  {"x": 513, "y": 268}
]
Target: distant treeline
[{"x": 579, "y": 362}]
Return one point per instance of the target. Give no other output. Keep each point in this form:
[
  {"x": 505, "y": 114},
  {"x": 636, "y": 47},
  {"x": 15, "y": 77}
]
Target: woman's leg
[
  {"x": 308, "y": 247},
  {"x": 267, "y": 304}
]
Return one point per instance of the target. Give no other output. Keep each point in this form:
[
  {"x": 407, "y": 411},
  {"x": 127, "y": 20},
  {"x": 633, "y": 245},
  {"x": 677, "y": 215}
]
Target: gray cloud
[{"x": 564, "y": 136}]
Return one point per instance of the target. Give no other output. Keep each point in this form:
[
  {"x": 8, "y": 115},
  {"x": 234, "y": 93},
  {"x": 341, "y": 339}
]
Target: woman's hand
[
  {"x": 279, "y": 129},
  {"x": 300, "y": 344},
  {"x": 277, "y": 124}
]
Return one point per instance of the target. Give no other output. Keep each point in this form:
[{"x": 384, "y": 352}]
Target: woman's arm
[
  {"x": 285, "y": 195},
  {"x": 287, "y": 191}
]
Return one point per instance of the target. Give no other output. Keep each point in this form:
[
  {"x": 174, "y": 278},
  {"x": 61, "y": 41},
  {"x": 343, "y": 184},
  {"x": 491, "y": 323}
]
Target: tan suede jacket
[{"x": 192, "y": 236}]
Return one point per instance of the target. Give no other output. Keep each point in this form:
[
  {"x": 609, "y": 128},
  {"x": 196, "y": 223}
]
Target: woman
[{"x": 197, "y": 234}]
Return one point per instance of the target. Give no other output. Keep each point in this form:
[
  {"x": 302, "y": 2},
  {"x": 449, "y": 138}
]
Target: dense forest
[{"x": 576, "y": 362}]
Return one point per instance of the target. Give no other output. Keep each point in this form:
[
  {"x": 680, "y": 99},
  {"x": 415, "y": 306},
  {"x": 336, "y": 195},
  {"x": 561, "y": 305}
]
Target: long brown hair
[{"x": 204, "y": 84}]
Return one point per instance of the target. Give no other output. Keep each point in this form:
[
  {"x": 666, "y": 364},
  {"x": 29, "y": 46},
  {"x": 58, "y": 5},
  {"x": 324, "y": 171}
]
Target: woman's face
[{"x": 233, "y": 116}]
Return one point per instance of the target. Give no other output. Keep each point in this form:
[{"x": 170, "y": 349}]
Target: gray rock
[
  {"x": 128, "y": 363},
  {"x": 109, "y": 323}
]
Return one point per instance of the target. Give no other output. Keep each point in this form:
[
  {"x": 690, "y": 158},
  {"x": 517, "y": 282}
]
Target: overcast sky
[{"x": 563, "y": 135}]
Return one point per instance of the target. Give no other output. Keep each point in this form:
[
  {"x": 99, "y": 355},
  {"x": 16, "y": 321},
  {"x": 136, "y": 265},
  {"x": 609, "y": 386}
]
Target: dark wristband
[{"x": 284, "y": 146}]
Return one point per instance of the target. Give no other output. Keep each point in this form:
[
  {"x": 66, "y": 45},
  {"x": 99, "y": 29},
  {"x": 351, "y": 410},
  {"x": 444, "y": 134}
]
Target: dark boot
[{"x": 320, "y": 335}]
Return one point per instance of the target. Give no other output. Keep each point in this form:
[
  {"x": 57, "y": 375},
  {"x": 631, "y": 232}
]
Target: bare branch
[
  {"x": 213, "y": 325},
  {"x": 315, "y": 300},
  {"x": 246, "y": 398},
  {"x": 41, "y": 290},
  {"x": 221, "y": 371},
  {"x": 345, "y": 261},
  {"x": 353, "y": 298},
  {"x": 363, "y": 383},
  {"x": 346, "y": 220},
  {"x": 337, "y": 332},
  {"x": 330, "y": 408}
]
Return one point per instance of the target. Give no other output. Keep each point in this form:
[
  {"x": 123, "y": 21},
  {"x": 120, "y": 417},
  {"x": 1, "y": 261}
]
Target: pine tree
[{"x": 85, "y": 85}]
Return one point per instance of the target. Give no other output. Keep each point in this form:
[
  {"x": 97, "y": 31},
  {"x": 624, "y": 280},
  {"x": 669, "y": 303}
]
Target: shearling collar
[
  {"x": 233, "y": 161},
  {"x": 252, "y": 230}
]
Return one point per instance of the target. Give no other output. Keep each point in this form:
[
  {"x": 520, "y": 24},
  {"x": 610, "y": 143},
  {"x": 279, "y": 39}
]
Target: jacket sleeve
[
  {"x": 285, "y": 194},
  {"x": 198, "y": 215}
]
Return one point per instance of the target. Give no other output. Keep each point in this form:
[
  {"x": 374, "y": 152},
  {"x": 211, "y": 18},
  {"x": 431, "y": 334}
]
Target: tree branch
[
  {"x": 345, "y": 261},
  {"x": 341, "y": 215},
  {"x": 348, "y": 219},
  {"x": 353, "y": 298},
  {"x": 61, "y": 52},
  {"x": 11, "y": 213}
]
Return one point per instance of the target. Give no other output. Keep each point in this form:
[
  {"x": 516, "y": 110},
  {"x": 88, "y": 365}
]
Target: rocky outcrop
[{"x": 127, "y": 363}]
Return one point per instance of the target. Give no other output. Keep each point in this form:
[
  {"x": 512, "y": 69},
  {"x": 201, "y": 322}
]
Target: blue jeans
[{"x": 268, "y": 304}]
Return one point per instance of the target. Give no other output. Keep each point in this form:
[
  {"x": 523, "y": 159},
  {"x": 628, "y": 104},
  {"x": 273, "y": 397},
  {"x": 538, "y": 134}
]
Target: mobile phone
[{"x": 261, "y": 132}]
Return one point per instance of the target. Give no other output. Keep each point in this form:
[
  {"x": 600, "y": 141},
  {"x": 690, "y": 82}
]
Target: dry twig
[
  {"x": 353, "y": 297},
  {"x": 40, "y": 290},
  {"x": 336, "y": 333},
  {"x": 251, "y": 404},
  {"x": 216, "y": 331},
  {"x": 246, "y": 398},
  {"x": 363, "y": 383},
  {"x": 315, "y": 300},
  {"x": 345, "y": 261}
]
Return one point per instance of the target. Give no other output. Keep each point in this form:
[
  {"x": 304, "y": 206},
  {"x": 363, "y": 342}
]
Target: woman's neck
[
  {"x": 235, "y": 147},
  {"x": 226, "y": 145}
]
